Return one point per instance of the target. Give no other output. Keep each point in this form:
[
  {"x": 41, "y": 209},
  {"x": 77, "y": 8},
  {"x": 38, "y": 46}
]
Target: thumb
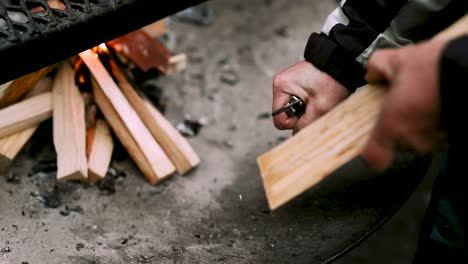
[
  {"x": 378, "y": 152},
  {"x": 382, "y": 65}
]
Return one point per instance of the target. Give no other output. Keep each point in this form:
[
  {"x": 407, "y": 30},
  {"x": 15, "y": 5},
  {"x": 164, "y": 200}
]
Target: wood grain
[
  {"x": 306, "y": 158},
  {"x": 25, "y": 114},
  {"x": 69, "y": 127},
  {"x": 11, "y": 145}
]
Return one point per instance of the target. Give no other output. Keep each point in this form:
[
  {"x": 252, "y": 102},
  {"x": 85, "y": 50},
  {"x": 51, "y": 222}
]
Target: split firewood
[
  {"x": 100, "y": 150},
  {"x": 156, "y": 29},
  {"x": 143, "y": 50},
  {"x": 177, "y": 63},
  {"x": 176, "y": 146},
  {"x": 126, "y": 123},
  {"x": 25, "y": 114},
  {"x": 17, "y": 89},
  {"x": 309, "y": 156},
  {"x": 173, "y": 143},
  {"x": 69, "y": 128},
  {"x": 11, "y": 145}
]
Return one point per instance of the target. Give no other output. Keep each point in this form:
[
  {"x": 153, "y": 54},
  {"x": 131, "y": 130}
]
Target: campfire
[{"x": 93, "y": 99}]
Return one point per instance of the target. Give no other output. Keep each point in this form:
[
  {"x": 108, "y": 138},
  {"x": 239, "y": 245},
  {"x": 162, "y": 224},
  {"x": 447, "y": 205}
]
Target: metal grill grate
[
  {"x": 34, "y": 33},
  {"x": 21, "y": 20}
]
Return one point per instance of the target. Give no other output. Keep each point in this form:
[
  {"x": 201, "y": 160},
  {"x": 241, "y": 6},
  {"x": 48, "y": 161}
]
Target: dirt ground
[{"x": 218, "y": 212}]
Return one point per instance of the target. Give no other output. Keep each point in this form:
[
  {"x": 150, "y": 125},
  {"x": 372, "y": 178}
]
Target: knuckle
[{"x": 280, "y": 80}]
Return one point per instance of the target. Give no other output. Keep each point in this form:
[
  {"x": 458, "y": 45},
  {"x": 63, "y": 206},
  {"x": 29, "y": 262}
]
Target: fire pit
[{"x": 37, "y": 33}]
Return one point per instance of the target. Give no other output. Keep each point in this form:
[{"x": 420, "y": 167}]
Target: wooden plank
[
  {"x": 305, "y": 159},
  {"x": 173, "y": 143},
  {"x": 146, "y": 52},
  {"x": 100, "y": 152},
  {"x": 156, "y": 29},
  {"x": 11, "y": 145},
  {"x": 317, "y": 150},
  {"x": 69, "y": 128},
  {"x": 126, "y": 123},
  {"x": 25, "y": 114},
  {"x": 17, "y": 89},
  {"x": 147, "y": 163}
]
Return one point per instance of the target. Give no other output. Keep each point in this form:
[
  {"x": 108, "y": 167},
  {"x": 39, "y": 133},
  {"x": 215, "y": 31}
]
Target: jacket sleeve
[
  {"x": 453, "y": 74},
  {"x": 356, "y": 28}
]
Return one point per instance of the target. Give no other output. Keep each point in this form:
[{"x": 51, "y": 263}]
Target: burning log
[
  {"x": 82, "y": 139},
  {"x": 16, "y": 90}
]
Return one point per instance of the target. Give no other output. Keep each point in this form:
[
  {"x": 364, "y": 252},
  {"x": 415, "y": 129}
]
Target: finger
[
  {"x": 382, "y": 65},
  {"x": 309, "y": 116},
  {"x": 378, "y": 151},
  {"x": 282, "y": 120},
  {"x": 376, "y": 155}
]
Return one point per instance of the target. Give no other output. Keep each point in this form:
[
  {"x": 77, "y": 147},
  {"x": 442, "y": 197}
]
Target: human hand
[
  {"x": 319, "y": 91},
  {"x": 409, "y": 120}
]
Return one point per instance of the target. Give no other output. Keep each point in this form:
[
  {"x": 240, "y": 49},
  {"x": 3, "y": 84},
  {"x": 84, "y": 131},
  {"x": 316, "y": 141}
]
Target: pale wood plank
[
  {"x": 100, "y": 152},
  {"x": 126, "y": 123},
  {"x": 174, "y": 144},
  {"x": 17, "y": 89},
  {"x": 177, "y": 148},
  {"x": 127, "y": 139},
  {"x": 69, "y": 127},
  {"x": 11, "y": 145},
  {"x": 305, "y": 159},
  {"x": 25, "y": 114}
]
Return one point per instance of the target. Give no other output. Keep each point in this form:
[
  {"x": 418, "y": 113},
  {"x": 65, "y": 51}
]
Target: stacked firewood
[{"x": 91, "y": 97}]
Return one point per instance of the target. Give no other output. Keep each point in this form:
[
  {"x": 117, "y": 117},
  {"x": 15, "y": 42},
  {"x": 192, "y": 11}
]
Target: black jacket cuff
[{"x": 328, "y": 57}]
